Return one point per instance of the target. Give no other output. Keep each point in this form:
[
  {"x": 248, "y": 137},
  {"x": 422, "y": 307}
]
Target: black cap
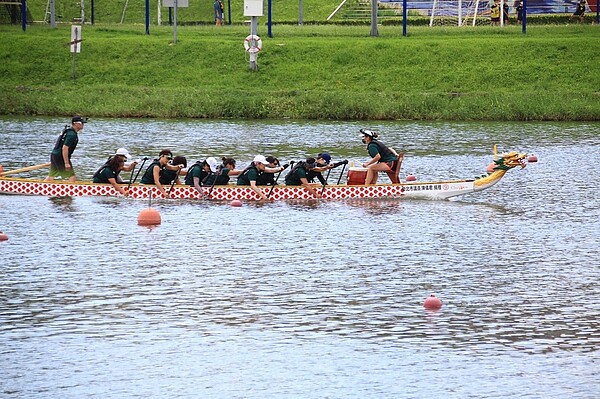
[{"x": 77, "y": 118}]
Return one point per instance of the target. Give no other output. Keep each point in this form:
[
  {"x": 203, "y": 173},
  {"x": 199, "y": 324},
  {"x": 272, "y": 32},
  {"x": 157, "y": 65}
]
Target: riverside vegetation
[{"x": 305, "y": 72}]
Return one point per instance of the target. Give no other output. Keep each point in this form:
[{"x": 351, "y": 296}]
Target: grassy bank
[{"x": 308, "y": 72}]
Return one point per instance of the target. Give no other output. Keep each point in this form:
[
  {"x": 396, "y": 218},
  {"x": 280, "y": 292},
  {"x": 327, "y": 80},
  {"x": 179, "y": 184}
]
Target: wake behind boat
[{"x": 434, "y": 190}]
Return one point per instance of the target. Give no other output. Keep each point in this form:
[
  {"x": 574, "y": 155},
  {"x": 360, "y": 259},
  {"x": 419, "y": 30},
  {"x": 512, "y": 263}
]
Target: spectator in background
[
  {"x": 579, "y": 11},
  {"x": 505, "y": 14},
  {"x": 495, "y": 13},
  {"x": 219, "y": 10},
  {"x": 520, "y": 12}
]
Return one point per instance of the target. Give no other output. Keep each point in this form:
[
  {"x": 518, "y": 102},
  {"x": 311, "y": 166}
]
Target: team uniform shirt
[
  {"x": 57, "y": 163},
  {"x": 148, "y": 177},
  {"x": 104, "y": 174},
  {"x": 293, "y": 179},
  {"x": 373, "y": 150},
  {"x": 251, "y": 174},
  {"x": 195, "y": 171}
]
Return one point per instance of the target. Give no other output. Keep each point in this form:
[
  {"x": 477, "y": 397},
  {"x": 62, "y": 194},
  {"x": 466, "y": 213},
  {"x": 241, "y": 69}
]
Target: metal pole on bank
[
  {"x": 147, "y": 17},
  {"x": 52, "y": 14},
  {"x": 598, "y": 11},
  {"x": 24, "y": 15},
  {"x": 524, "y": 22},
  {"x": 253, "y": 43},
  {"x": 404, "y": 15},
  {"x": 269, "y": 18},
  {"x": 93, "y": 12}
]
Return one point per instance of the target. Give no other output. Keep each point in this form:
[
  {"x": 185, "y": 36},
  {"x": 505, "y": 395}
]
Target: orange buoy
[
  {"x": 490, "y": 168},
  {"x": 149, "y": 217},
  {"x": 410, "y": 177},
  {"x": 3, "y": 237},
  {"x": 532, "y": 158},
  {"x": 432, "y": 302},
  {"x": 236, "y": 202}
]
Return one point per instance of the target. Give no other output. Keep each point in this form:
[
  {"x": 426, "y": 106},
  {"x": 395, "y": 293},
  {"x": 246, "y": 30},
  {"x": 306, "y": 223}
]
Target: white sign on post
[
  {"x": 171, "y": 3},
  {"x": 253, "y": 8},
  {"x": 76, "y": 39}
]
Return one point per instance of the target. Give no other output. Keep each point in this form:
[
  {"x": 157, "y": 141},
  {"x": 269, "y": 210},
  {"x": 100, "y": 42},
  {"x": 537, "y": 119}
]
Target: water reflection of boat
[{"x": 435, "y": 190}]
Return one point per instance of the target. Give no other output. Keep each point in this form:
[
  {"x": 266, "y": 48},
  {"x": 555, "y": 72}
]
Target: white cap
[
  {"x": 212, "y": 163},
  {"x": 123, "y": 152},
  {"x": 260, "y": 159}
]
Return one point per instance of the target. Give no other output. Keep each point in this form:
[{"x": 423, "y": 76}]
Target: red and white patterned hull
[{"x": 423, "y": 190}]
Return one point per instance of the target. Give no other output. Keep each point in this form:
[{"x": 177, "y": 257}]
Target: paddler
[
  {"x": 249, "y": 176},
  {"x": 60, "y": 157},
  {"x": 109, "y": 173},
  {"x": 383, "y": 158},
  {"x": 298, "y": 176},
  {"x": 153, "y": 173}
]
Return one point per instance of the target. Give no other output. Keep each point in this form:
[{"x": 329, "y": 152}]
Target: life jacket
[
  {"x": 384, "y": 151},
  {"x": 243, "y": 179},
  {"x": 148, "y": 177},
  {"x": 167, "y": 176},
  {"x": 189, "y": 179},
  {"x": 60, "y": 141},
  {"x": 217, "y": 178},
  {"x": 104, "y": 166},
  {"x": 292, "y": 178}
]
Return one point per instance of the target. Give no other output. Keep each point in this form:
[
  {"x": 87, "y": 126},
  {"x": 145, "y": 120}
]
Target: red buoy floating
[
  {"x": 532, "y": 158},
  {"x": 149, "y": 217},
  {"x": 432, "y": 303},
  {"x": 3, "y": 236},
  {"x": 410, "y": 177},
  {"x": 236, "y": 202}
]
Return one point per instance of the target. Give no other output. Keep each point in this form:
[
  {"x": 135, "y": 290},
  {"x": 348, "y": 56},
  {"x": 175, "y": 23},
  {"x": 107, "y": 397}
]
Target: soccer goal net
[{"x": 459, "y": 13}]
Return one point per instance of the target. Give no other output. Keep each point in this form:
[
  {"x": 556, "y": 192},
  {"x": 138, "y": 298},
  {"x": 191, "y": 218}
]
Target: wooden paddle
[{"x": 27, "y": 169}]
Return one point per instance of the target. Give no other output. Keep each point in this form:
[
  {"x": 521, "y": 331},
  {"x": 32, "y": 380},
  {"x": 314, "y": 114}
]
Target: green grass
[{"x": 305, "y": 72}]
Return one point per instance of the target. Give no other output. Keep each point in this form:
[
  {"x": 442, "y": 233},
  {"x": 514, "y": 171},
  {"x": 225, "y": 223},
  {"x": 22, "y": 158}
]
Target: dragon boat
[{"x": 354, "y": 188}]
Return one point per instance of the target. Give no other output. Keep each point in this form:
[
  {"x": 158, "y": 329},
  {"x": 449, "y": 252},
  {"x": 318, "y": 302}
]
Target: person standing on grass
[
  {"x": 60, "y": 157},
  {"x": 579, "y": 11},
  {"x": 520, "y": 12},
  {"x": 219, "y": 9}
]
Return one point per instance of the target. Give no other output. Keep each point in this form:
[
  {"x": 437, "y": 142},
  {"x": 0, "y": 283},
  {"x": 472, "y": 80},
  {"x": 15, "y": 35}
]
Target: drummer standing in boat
[
  {"x": 60, "y": 158},
  {"x": 382, "y": 158}
]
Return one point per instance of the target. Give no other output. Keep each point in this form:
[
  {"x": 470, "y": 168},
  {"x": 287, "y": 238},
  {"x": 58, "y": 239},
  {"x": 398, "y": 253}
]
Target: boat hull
[{"x": 423, "y": 190}]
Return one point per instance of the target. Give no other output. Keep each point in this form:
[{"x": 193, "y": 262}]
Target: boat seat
[{"x": 394, "y": 174}]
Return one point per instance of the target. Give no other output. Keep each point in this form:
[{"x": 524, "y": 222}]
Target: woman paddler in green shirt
[
  {"x": 153, "y": 173},
  {"x": 250, "y": 174},
  {"x": 383, "y": 158}
]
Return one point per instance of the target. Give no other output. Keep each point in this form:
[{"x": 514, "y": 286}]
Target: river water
[{"x": 319, "y": 299}]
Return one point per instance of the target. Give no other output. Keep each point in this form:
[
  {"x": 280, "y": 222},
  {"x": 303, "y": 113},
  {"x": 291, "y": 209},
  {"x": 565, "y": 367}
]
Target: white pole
[
  {"x": 501, "y": 12},
  {"x": 175, "y": 24},
  {"x": 432, "y": 12},
  {"x": 475, "y": 13},
  {"x": 459, "y": 12},
  {"x": 158, "y": 14},
  {"x": 82, "y": 11},
  {"x": 254, "y": 32}
]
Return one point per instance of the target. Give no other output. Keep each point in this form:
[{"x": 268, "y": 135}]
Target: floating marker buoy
[
  {"x": 236, "y": 203},
  {"x": 3, "y": 237},
  {"x": 149, "y": 217},
  {"x": 432, "y": 302},
  {"x": 410, "y": 177},
  {"x": 490, "y": 168},
  {"x": 1, "y": 169},
  {"x": 532, "y": 158}
]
